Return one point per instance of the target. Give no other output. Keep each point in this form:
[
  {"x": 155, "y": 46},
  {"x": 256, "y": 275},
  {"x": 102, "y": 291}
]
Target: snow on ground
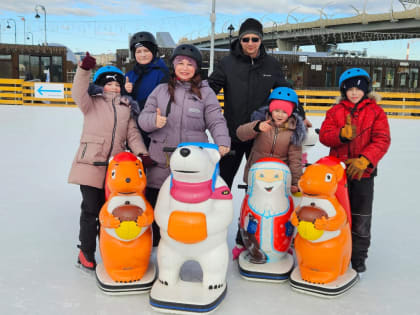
[{"x": 39, "y": 215}]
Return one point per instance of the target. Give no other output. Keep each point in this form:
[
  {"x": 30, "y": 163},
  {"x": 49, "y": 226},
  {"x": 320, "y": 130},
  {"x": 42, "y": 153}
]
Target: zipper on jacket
[
  {"x": 276, "y": 132},
  {"x": 113, "y": 130},
  {"x": 84, "y": 151}
]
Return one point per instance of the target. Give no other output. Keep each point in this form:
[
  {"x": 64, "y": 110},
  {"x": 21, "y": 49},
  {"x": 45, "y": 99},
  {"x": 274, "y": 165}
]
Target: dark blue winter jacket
[{"x": 145, "y": 81}]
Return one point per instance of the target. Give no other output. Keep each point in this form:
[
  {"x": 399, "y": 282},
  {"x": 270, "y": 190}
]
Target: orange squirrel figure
[
  {"x": 126, "y": 237},
  {"x": 323, "y": 243}
]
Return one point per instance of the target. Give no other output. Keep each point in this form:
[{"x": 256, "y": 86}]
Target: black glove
[
  {"x": 147, "y": 161},
  {"x": 88, "y": 62}
]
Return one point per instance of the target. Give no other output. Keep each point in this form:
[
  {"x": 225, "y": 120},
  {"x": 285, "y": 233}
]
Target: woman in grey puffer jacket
[{"x": 180, "y": 111}]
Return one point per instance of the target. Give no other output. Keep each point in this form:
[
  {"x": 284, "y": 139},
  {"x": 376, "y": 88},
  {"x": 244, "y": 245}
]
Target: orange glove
[
  {"x": 356, "y": 167},
  {"x": 348, "y": 131}
]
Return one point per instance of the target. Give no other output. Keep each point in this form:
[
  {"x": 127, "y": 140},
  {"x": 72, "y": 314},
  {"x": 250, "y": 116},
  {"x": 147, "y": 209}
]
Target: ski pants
[
  {"x": 361, "y": 200},
  {"x": 229, "y": 164},
  {"x": 151, "y": 196},
  {"x": 92, "y": 201}
]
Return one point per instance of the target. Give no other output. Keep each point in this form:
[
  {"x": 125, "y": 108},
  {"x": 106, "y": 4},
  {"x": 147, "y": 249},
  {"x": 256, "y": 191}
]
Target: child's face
[
  {"x": 279, "y": 116},
  {"x": 354, "y": 95},
  {"x": 143, "y": 55},
  {"x": 112, "y": 86},
  {"x": 184, "y": 70}
]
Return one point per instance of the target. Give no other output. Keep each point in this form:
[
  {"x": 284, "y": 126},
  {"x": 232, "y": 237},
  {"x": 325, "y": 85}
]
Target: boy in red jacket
[{"x": 357, "y": 132}]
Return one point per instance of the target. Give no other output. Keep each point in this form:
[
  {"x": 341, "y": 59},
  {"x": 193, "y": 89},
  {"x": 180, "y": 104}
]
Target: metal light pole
[
  {"x": 272, "y": 37},
  {"x": 24, "y": 29},
  {"x": 8, "y": 26},
  {"x": 231, "y": 29},
  {"x": 32, "y": 36},
  {"x": 288, "y": 14},
  {"x": 213, "y": 22},
  {"x": 39, "y": 6}
]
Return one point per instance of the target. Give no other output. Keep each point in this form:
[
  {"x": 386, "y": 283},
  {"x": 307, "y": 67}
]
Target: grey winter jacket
[
  {"x": 107, "y": 128},
  {"x": 188, "y": 118}
]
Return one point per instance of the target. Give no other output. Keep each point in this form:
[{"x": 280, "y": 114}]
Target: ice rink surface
[{"x": 39, "y": 231}]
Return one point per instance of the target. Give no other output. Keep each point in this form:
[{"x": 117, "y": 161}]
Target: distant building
[
  {"x": 105, "y": 59},
  {"x": 33, "y": 62}
]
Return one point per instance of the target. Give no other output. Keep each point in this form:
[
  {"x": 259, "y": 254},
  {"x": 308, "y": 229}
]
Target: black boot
[{"x": 359, "y": 265}]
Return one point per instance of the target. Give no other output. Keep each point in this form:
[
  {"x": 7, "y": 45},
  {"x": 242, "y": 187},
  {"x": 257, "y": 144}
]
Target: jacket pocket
[
  {"x": 91, "y": 149},
  {"x": 157, "y": 143},
  {"x": 195, "y": 116}
]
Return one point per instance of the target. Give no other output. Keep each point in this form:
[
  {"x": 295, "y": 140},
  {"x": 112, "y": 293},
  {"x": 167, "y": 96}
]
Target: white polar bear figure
[{"x": 193, "y": 210}]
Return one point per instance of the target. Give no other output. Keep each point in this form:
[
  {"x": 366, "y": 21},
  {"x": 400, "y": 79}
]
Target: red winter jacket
[{"x": 373, "y": 136}]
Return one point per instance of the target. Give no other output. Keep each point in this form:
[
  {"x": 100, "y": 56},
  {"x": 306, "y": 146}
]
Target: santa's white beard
[{"x": 268, "y": 204}]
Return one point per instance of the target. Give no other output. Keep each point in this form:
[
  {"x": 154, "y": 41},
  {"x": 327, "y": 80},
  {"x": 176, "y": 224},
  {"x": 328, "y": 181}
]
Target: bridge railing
[{"x": 315, "y": 102}]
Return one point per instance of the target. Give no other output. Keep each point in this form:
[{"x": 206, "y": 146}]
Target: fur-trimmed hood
[
  {"x": 299, "y": 133},
  {"x": 372, "y": 95}
]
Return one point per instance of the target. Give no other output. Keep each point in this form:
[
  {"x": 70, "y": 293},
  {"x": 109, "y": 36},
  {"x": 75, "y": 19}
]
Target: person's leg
[
  {"x": 151, "y": 196},
  {"x": 92, "y": 202},
  {"x": 229, "y": 164},
  {"x": 361, "y": 201}
]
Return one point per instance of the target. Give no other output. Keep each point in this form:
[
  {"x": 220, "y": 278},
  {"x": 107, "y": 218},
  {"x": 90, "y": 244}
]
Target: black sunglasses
[{"x": 253, "y": 39}]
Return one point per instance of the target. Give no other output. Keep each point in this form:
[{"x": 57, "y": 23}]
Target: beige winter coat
[
  {"x": 107, "y": 128},
  {"x": 274, "y": 143}
]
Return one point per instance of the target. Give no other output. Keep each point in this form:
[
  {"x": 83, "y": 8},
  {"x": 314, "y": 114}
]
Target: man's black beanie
[{"x": 251, "y": 26}]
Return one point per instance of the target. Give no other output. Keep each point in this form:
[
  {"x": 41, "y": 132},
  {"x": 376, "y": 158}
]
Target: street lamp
[
  {"x": 32, "y": 36},
  {"x": 231, "y": 29},
  {"x": 8, "y": 25},
  {"x": 24, "y": 29},
  {"x": 288, "y": 14},
  {"x": 39, "y": 6}
]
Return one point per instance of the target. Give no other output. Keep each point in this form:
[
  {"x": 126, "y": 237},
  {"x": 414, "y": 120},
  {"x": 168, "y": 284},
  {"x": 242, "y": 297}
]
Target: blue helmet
[
  {"x": 285, "y": 94},
  {"x": 352, "y": 73},
  {"x": 107, "y": 74}
]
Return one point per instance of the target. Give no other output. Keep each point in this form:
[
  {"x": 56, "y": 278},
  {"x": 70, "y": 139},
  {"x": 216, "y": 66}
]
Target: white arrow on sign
[{"x": 49, "y": 90}]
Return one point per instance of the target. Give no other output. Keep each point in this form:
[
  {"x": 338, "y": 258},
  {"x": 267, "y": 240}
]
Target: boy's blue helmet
[
  {"x": 353, "y": 73},
  {"x": 107, "y": 74},
  {"x": 285, "y": 94}
]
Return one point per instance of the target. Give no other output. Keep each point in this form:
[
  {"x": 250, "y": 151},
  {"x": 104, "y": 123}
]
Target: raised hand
[
  {"x": 265, "y": 126},
  {"x": 349, "y": 130},
  {"x": 88, "y": 62},
  {"x": 160, "y": 120},
  {"x": 128, "y": 85}
]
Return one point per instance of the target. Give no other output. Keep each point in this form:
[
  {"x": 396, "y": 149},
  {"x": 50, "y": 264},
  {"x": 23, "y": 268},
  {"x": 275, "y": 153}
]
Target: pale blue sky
[{"x": 104, "y": 26}]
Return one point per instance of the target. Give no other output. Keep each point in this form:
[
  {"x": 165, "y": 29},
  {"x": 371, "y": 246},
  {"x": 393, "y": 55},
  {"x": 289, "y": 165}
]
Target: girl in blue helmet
[
  {"x": 278, "y": 133},
  {"x": 107, "y": 128},
  {"x": 357, "y": 132}
]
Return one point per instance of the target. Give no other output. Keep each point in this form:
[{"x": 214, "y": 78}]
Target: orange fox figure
[
  {"x": 125, "y": 237},
  {"x": 323, "y": 242}
]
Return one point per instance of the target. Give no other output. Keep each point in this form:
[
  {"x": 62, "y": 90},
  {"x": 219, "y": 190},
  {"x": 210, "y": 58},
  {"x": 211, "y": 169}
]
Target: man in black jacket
[{"x": 247, "y": 77}]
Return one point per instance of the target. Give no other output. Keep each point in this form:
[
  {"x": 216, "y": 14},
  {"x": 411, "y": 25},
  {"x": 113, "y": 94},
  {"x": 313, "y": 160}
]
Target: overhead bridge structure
[{"x": 325, "y": 32}]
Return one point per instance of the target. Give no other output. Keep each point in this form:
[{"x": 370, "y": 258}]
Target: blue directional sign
[{"x": 49, "y": 90}]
